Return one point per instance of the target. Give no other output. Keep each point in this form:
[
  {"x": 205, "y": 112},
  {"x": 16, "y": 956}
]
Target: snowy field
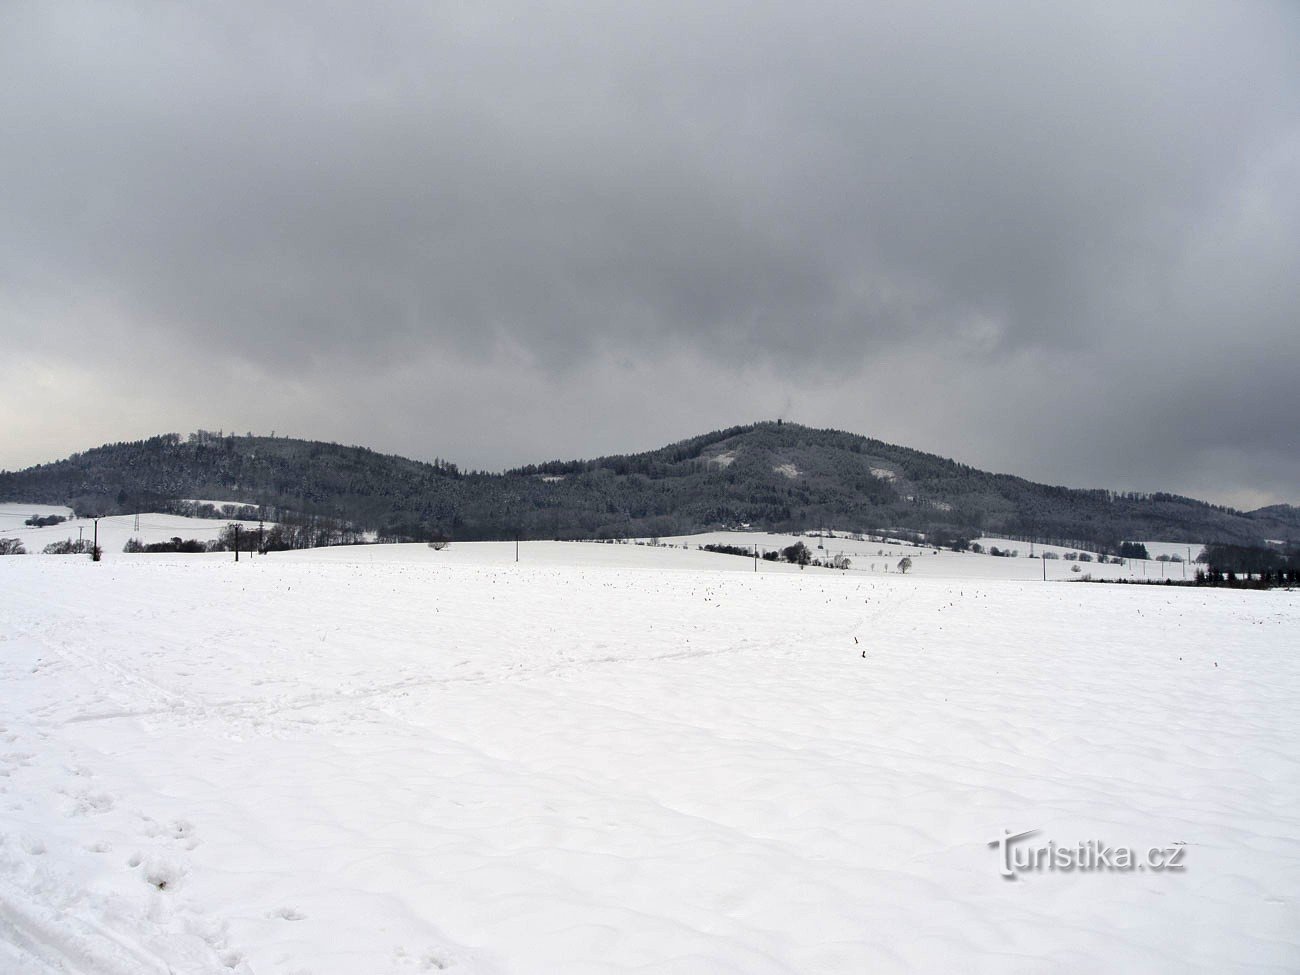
[
  {"x": 869, "y": 557},
  {"x": 882, "y": 557},
  {"x": 114, "y": 531},
  {"x": 621, "y": 758}
]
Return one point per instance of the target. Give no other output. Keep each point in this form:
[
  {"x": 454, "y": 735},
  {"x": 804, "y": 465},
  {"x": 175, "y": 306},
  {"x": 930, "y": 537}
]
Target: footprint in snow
[
  {"x": 163, "y": 875},
  {"x": 88, "y": 804},
  {"x": 428, "y": 962}
]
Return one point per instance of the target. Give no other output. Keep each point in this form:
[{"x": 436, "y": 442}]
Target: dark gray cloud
[{"x": 1055, "y": 239}]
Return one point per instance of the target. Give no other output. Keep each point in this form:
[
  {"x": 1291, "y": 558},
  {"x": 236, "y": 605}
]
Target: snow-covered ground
[
  {"x": 1183, "y": 550},
  {"x": 882, "y": 557},
  {"x": 871, "y": 557},
  {"x": 390, "y": 759},
  {"x": 114, "y": 531}
]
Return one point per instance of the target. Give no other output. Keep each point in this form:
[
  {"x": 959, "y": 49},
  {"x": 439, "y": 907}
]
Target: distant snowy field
[
  {"x": 114, "y": 531},
  {"x": 622, "y": 758},
  {"x": 883, "y": 557},
  {"x": 865, "y": 556}
]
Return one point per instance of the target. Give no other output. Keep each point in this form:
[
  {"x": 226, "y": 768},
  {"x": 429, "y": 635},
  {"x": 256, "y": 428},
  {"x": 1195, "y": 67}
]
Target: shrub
[
  {"x": 729, "y": 550},
  {"x": 36, "y": 521},
  {"x": 1133, "y": 550},
  {"x": 797, "y": 553},
  {"x": 68, "y": 547},
  {"x": 175, "y": 544}
]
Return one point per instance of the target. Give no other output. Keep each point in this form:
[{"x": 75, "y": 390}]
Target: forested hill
[{"x": 777, "y": 476}]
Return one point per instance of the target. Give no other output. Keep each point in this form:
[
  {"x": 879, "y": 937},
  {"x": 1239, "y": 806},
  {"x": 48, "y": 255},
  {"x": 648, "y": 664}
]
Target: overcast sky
[{"x": 1058, "y": 240}]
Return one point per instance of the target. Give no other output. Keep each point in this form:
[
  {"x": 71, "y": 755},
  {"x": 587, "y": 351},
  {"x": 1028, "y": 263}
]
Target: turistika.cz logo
[{"x": 1090, "y": 856}]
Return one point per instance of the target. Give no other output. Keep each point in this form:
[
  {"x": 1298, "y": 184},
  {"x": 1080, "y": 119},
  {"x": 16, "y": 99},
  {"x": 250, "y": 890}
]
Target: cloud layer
[{"x": 1052, "y": 239}]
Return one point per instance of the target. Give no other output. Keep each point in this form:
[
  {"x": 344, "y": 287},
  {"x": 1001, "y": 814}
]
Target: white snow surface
[
  {"x": 1154, "y": 549},
  {"x": 391, "y": 759},
  {"x": 882, "y": 557},
  {"x": 114, "y": 531}
]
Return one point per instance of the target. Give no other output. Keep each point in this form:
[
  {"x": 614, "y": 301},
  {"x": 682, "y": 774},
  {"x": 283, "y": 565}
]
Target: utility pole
[
  {"x": 755, "y": 556},
  {"x": 1044, "y": 565},
  {"x": 516, "y": 546},
  {"x": 80, "y": 529},
  {"x": 261, "y": 547},
  {"x": 236, "y": 541},
  {"x": 94, "y": 548}
]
